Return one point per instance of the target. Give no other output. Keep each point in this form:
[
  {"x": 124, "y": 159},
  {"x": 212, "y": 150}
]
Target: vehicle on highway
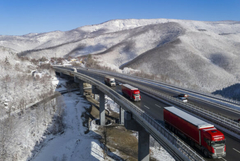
[
  {"x": 109, "y": 81},
  {"x": 118, "y": 83},
  {"x": 131, "y": 92},
  {"x": 183, "y": 99},
  {"x": 201, "y": 134},
  {"x": 183, "y": 95}
]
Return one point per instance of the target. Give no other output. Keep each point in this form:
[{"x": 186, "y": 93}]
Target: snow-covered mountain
[{"x": 190, "y": 53}]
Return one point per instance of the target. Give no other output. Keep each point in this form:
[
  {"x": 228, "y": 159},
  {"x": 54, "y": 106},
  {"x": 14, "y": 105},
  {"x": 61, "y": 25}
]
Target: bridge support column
[
  {"x": 143, "y": 145},
  {"x": 81, "y": 87},
  {"x": 102, "y": 108},
  {"x": 121, "y": 115},
  {"x": 102, "y": 104},
  {"x": 143, "y": 136},
  {"x": 80, "y": 82},
  {"x": 76, "y": 79}
]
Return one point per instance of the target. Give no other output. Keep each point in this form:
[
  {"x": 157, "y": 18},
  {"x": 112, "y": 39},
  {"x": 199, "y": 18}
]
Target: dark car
[{"x": 183, "y": 95}]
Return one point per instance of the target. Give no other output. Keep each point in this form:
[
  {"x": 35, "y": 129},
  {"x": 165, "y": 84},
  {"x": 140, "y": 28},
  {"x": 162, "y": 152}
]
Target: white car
[{"x": 184, "y": 99}]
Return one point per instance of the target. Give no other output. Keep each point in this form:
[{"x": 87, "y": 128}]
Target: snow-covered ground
[{"x": 75, "y": 144}]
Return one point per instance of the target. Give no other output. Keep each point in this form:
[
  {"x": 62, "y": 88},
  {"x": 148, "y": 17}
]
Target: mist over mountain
[{"x": 198, "y": 54}]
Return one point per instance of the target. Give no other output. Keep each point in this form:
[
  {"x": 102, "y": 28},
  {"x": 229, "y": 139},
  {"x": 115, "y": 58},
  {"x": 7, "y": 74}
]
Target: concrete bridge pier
[
  {"x": 143, "y": 136},
  {"x": 81, "y": 87},
  {"x": 80, "y": 82},
  {"x": 121, "y": 115},
  {"x": 75, "y": 79},
  {"x": 102, "y": 104}
]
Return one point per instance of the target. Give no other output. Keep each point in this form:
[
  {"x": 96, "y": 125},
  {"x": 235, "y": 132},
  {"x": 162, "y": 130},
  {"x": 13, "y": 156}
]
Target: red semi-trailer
[
  {"x": 201, "y": 134},
  {"x": 131, "y": 92}
]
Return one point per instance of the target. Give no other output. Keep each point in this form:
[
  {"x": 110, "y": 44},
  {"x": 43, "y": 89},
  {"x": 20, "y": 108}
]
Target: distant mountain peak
[{"x": 193, "y": 53}]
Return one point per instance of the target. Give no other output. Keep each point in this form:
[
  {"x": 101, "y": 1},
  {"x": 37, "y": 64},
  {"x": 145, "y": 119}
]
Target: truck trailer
[
  {"x": 200, "y": 133},
  {"x": 110, "y": 81},
  {"x": 131, "y": 92}
]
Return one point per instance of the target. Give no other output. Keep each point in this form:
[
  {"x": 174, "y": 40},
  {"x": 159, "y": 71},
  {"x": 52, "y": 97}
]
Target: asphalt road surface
[{"x": 154, "y": 108}]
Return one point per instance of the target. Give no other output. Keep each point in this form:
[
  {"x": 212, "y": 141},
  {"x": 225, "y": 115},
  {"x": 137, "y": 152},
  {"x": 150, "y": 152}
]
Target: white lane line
[
  {"x": 158, "y": 106},
  {"x": 236, "y": 150},
  {"x": 146, "y": 107},
  {"x": 223, "y": 159}
]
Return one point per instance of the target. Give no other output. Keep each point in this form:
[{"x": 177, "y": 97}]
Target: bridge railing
[
  {"x": 219, "y": 98},
  {"x": 227, "y": 123},
  {"x": 211, "y": 116},
  {"x": 178, "y": 149}
]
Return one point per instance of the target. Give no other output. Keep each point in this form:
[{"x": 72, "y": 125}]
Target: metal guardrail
[
  {"x": 222, "y": 99},
  {"x": 211, "y": 116},
  {"x": 178, "y": 149}
]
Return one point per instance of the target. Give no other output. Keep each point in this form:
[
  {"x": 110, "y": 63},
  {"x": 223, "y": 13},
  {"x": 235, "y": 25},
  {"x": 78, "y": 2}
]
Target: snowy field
[{"x": 75, "y": 144}]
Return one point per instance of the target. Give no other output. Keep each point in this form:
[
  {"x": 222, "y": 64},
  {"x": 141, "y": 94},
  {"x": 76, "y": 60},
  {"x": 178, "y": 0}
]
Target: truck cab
[
  {"x": 136, "y": 95},
  {"x": 110, "y": 81},
  {"x": 214, "y": 142}
]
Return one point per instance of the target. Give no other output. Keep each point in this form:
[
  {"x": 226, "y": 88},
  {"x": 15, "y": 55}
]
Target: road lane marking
[
  {"x": 236, "y": 150},
  {"x": 158, "y": 106},
  {"x": 146, "y": 107},
  {"x": 223, "y": 159}
]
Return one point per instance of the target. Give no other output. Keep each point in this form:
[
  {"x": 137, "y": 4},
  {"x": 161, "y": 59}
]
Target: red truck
[
  {"x": 200, "y": 133},
  {"x": 131, "y": 92}
]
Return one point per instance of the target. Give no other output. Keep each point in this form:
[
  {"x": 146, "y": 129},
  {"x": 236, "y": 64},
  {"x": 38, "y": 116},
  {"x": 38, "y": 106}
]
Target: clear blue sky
[{"x": 19, "y": 17}]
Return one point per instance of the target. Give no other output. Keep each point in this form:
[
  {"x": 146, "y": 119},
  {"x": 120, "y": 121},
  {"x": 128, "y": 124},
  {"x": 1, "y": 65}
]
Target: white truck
[{"x": 110, "y": 81}]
